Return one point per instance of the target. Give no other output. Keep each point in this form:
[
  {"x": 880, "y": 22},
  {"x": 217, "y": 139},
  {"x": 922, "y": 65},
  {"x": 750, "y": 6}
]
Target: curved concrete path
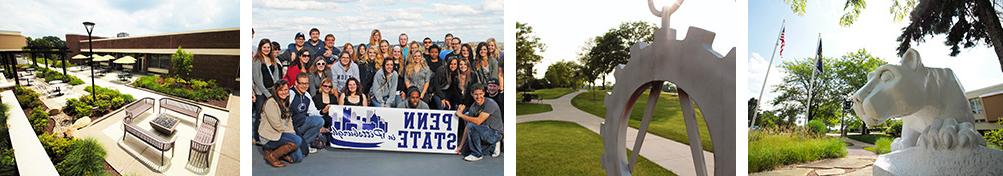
[{"x": 669, "y": 154}]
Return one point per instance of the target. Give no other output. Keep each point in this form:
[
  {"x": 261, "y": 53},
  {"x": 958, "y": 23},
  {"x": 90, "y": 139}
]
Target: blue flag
[{"x": 818, "y": 61}]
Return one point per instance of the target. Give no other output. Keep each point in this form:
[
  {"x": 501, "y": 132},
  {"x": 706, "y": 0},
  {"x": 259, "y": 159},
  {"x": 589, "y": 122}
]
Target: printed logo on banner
[{"x": 392, "y": 129}]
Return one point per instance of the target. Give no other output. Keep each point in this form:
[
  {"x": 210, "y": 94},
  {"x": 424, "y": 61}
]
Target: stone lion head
[{"x": 893, "y": 90}]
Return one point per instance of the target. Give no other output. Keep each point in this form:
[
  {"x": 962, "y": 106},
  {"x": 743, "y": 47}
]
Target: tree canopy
[{"x": 527, "y": 50}]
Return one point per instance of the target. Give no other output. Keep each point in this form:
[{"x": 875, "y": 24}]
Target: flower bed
[
  {"x": 194, "y": 89},
  {"x": 108, "y": 100}
]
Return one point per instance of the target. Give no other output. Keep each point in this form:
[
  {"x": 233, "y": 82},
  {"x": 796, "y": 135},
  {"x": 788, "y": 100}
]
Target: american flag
[{"x": 783, "y": 41}]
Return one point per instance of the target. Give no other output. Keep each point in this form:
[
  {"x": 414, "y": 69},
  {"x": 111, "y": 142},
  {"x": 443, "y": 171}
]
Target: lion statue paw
[{"x": 947, "y": 134}]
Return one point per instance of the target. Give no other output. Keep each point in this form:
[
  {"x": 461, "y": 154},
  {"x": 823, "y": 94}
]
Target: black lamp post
[{"x": 90, "y": 44}]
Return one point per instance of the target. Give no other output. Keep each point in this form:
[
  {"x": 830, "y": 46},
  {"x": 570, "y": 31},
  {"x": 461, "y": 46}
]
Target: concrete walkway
[{"x": 669, "y": 154}]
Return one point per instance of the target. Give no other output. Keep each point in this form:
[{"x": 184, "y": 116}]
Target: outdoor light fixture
[{"x": 90, "y": 28}]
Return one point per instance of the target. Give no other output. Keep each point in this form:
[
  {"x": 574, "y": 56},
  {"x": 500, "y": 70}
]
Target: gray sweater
[
  {"x": 384, "y": 88},
  {"x": 339, "y": 76},
  {"x": 258, "y": 78}
]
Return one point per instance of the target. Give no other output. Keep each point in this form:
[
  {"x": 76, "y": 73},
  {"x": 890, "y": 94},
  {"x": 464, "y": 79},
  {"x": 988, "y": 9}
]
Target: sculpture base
[{"x": 919, "y": 161}]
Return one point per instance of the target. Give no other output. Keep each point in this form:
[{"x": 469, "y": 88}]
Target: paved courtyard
[{"x": 131, "y": 156}]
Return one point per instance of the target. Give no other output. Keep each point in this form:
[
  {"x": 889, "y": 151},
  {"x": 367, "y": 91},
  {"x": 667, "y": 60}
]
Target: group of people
[{"x": 294, "y": 88}]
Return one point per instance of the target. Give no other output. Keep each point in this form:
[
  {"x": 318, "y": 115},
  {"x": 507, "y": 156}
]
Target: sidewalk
[{"x": 668, "y": 154}]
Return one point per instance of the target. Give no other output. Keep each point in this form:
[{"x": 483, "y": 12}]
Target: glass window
[{"x": 976, "y": 104}]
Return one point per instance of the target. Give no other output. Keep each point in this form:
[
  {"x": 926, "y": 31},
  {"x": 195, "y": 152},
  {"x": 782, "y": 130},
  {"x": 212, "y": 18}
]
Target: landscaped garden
[
  {"x": 57, "y": 75},
  {"x": 181, "y": 84},
  {"x": 71, "y": 156},
  {"x": 565, "y": 148},
  {"x": 107, "y": 100},
  {"x": 666, "y": 120},
  {"x": 772, "y": 148}
]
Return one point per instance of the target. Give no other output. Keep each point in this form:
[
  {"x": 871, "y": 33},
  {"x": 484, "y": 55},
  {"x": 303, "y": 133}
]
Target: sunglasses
[
  {"x": 328, "y": 86},
  {"x": 321, "y": 63},
  {"x": 305, "y": 55}
]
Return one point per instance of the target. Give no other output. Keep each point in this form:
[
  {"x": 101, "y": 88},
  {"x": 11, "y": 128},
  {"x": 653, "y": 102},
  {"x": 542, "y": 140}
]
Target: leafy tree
[
  {"x": 527, "y": 50},
  {"x": 85, "y": 158},
  {"x": 564, "y": 74},
  {"x": 613, "y": 47},
  {"x": 965, "y": 23},
  {"x": 827, "y": 90},
  {"x": 181, "y": 63}
]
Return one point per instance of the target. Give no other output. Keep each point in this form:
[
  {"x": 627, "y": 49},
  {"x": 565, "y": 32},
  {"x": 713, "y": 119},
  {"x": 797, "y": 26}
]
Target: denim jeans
[
  {"x": 481, "y": 139},
  {"x": 256, "y": 115},
  {"x": 391, "y": 102},
  {"x": 308, "y": 127},
  {"x": 287, "y": 137}
]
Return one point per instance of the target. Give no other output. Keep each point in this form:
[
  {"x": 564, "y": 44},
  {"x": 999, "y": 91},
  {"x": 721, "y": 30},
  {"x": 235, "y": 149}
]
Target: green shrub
[
  {"x": 26, "y": 97},
  {"x": 181, "y": 62},
  {"x": 54, "y": 145},
  {"x": 195, "y": 89},
  {"x": 86, "y": 157},
  {"x": 893, "y": 127},
  {"x": 817, "y": 126},
  {"x": 39, "y": 120},
  {"x": 108, "y": 100},
  {"x": 56, "y": 75},
  {"x": 769, "y": 150},
  {"x": 995, "y": 137},
  {"x": 883, "y": 146}
]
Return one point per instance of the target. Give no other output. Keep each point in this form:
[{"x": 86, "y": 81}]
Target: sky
[
  {"x": 875, "y": 30},
  {"x": 353, "y": 20},
  {"x": 57, "y": 18},
  {"x": 565, "y": 32}
]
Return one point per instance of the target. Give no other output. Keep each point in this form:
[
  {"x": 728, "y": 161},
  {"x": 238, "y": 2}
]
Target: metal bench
[
  {"x": 204, "y": 139},
  {"x": 180, "y": 107},
  {"x": 133, "y": 111}
]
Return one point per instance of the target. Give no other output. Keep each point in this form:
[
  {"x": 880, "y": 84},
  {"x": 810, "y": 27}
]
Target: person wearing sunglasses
[
  {"x": 318, "y": 72},
  {"x": 301, "y": 65}
]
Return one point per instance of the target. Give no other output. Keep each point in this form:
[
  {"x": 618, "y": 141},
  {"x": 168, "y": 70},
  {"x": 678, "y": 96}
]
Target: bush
[
  {"x": 39, "y": 120},
  {"x": 193, "y": 89},
  {"x": 893, "y": 127},
  {"x": 817, "y": 126},
  {"x": 995, "y": 137},
  {"x": 769, "y": 150},
  {"x": 86, "y": 157},
  {"x": 54, "y": 145},
  {"x": 884, "y": 145},
  {"x": 56, "y": 75},
  {"x": 108, "y": 100},
  {"x": 181, "y": 62},
  {"x": 26, "y": 97}
]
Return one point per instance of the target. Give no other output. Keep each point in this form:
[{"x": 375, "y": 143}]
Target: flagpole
[
  {"x": 768, "y": 67},
  {"x": 811, "y": 85}
]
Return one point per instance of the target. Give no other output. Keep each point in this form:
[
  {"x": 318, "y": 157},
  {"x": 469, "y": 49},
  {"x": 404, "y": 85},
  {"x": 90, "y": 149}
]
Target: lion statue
[{"x": 930, "y": 102}]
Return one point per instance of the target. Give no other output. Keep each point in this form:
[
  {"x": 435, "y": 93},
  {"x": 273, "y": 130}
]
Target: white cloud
[
  {"x": 297, "y": 4},
  {"x": 50, "y": 18},
  {"x": 354, "y": 21}
]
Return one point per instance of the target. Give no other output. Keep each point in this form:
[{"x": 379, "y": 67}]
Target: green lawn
[
  {"x": 546, "y": 94},
  {"x": 768, "y": 151},
  {"x": 882, "y": 146},
  {"x": 531, "y": 108},
  {"x": 869, "y": 138},
  {"x": 666, "y": 121},
  {"x": 565, "y": 148}
]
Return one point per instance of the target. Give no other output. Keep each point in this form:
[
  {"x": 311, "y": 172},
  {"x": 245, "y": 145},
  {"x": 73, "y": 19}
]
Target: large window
[
  {"x": 160, "y": 61},
  {"x": 976, "y": 104}
]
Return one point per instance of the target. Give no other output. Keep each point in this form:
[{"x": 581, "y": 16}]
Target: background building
[
  {"x": 216, "y": 52},
  {"x": 987, "y": 106}
]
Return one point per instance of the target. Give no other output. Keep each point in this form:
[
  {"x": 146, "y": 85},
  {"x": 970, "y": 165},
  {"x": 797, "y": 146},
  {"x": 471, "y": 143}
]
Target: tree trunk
[{"x": 987, "y": 14}]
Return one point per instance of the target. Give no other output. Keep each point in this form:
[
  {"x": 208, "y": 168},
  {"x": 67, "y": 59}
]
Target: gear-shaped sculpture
[{"x": 698, "y": 72}]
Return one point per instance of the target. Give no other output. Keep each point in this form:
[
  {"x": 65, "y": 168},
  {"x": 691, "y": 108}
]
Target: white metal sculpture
[
  {"x": 698, "y": 72},
  {"x": 938, "y": 137}
]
